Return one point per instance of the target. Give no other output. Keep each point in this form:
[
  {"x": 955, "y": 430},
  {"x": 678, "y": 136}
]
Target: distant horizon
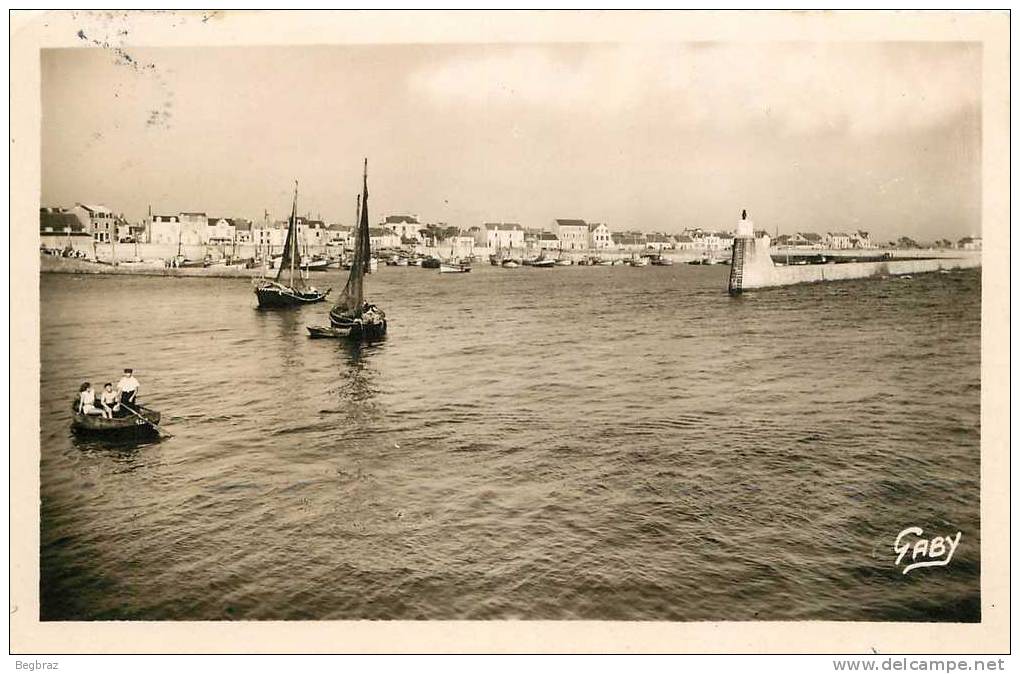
[{"x": 812, "y": 137}]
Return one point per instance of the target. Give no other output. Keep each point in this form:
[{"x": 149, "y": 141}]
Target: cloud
[{"x": 858, "y": 88}]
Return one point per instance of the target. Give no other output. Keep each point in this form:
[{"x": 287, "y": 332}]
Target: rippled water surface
[{"x": 587, "y": 442}]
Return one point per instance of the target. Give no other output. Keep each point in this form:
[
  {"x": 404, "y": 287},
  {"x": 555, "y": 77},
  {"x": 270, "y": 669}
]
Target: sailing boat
[
  {"x": 277, "y": 294},
  {"x": 454, "y": 266},
  {"x": 352, "y": 316},
  {"x": 562, "y": 260}
]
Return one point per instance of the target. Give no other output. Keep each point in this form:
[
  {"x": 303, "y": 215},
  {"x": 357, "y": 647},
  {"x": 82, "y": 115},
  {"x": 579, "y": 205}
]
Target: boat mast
[
  {"x": 367, "y": 242},
  {"x": 293, "y": 233},
  {"x": 356, "y": 230}
]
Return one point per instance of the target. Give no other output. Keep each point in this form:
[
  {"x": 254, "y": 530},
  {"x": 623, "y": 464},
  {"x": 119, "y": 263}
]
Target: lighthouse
[
  {"x": 745, "y": 228},
  {"x": 745, "y": 253}
]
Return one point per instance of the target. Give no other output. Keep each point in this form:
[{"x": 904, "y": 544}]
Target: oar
[{"x": 162, "y": 433}]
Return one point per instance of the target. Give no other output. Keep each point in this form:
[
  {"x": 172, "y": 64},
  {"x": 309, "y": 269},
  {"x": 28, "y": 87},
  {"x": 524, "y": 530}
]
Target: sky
[{"x": 884, "y": 137}]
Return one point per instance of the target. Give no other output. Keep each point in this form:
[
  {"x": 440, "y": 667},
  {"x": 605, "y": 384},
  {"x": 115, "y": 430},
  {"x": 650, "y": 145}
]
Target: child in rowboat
[
  {"x": 108, "y": 399},
  {"x": 87, "y": 401}
]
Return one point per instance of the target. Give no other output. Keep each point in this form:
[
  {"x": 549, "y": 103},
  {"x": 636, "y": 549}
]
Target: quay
[
  {"x": 58, "y": 265},
  {"x": 753, "y": 266}
]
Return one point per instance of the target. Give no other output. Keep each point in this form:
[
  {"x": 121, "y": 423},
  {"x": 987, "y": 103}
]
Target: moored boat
[{"x": 454, "y": 268}]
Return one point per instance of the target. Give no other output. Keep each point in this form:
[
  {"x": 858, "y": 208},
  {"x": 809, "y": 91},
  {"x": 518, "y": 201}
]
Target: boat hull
[
  {"x": 454, "y": 269},
  {"x": 356, "y": 328},
  {"x": 276, "y": 297},
  {"x": 118, "y": 427},
  {"x": 317, "y": 332}
]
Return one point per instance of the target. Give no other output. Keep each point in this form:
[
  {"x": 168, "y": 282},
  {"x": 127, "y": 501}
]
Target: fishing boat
[
  {"x": 542, "y": 262},
  {"x": 320, "y": 264},
  {"x": 353, "y": 317},
  {"x": 459, "y": 267},
  {"x": 275, "y": 293},
  {"x": 602, "y": 262},
  {"x": 509, "y": 263},
  {"x": 145, "y": 424},
  {"x": 661, "y": 261},
  {"x": 431, "y": 262},
  {"x": 562, "y": 260}
]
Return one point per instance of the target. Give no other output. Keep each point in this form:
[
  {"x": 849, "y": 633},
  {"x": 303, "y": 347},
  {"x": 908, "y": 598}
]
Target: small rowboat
[
  {"x": 319, "y": 332},
  {"x": 130, "y": 425}
]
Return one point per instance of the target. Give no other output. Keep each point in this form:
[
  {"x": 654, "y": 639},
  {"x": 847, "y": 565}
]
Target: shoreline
[
  {"x": 50, "y": 264},
  {"x": 53, "y": 264}
]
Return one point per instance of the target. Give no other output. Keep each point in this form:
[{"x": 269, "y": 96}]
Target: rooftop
[{"x": 401, "y": 219}]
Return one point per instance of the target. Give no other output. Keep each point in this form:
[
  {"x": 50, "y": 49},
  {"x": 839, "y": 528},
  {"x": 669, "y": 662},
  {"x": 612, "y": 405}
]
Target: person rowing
[{"x": 127, "y": 388}]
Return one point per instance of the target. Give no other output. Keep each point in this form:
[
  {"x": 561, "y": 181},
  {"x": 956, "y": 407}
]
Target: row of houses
[
  {"x": 831, "y": 240},
  {"x": 568, "y": 234},
  {"x": 94, "y": 220},
  {"x": 201, "y": 229}
]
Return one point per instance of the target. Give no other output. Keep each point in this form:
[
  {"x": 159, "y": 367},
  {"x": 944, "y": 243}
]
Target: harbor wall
[
  {"x": 752, "y": 267},
  {"x": 48, "y": 264}
]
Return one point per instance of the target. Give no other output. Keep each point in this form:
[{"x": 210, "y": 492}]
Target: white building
[
  {"x": 503, "y": 235},
  {"x": 269, "y": 235},
  {"x": 218, "y": 231},
  {"x": 243, "y": 230},
  {"x": 969, "y": 243},
  {"x": 548, "y": 241},
  {"x": 861, "y": 239},
  {"x": 382, "y": 237},
  {"x": 572, "y": 234},
  {"x": 660, "y": 242},
  {"x": 339, "y": 235},
  {"x": 599, "y": 236},
  {"x": 98, "y": 220},
  {"x": 838, "y": 240},
  {"x": 164, "y": 229},
  {"x": 193, "y": 228},
  {"x": 407, "y": 227},
  {"x": 311, "y": 232}
]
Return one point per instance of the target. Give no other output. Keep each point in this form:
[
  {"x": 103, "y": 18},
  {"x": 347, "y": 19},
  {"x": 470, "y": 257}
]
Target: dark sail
[
  {"x": 291, "y": 260},
  {"x": 352, "y": 298}
]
